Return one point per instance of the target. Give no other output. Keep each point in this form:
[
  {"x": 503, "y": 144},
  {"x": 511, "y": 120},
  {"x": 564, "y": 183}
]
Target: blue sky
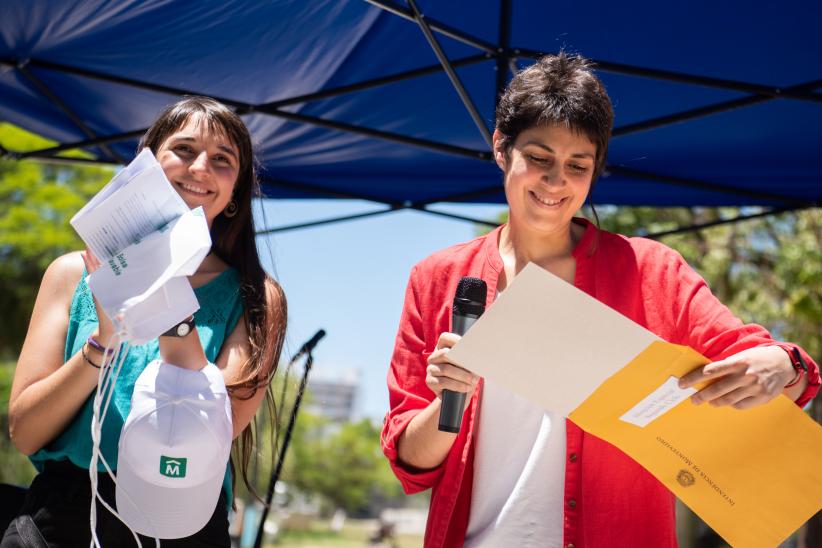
[{"x": 349, "y": 279}]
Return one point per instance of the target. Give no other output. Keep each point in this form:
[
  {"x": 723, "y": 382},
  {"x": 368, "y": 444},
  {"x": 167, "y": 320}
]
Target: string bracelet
[
  {"x": 92, "y": 342},
  {"x": 85, "y": 357}
]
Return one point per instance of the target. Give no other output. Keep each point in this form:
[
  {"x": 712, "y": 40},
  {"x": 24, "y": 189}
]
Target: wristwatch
[
  {"x": 798, "y": 363},
  {"x": 181, "y": 329}
]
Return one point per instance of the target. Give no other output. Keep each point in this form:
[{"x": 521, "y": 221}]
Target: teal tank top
[{"x": 220, "y": 310}]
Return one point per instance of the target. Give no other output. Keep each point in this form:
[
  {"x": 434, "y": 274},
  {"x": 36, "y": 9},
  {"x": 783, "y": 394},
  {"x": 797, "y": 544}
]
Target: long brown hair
[{"x": 233, "y": 240}]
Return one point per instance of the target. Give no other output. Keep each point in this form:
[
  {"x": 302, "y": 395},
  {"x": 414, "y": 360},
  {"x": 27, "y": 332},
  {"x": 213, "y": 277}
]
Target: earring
[{"x": 231, "y": 209}]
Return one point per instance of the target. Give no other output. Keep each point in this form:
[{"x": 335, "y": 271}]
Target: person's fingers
[
  {"x": 438, "y": 384},
  {"x": 106, "y": 326},
  {"x": 447, "y": 340},
  {"x": 711, "y": 371},
  {"x": 441, "y": 374},
  {"x": 439, "y": 356},
  {"x": 692, "y": 378},
  {"x": 93, "y": 257},
  {"x": 449, "y": 377},
  {"x": 454, "y": 372},
  {"x": 734, "y": 396},
  {"x": 86, "y": 261},
  {"x": 747, "y": 403},
  {"x": 724, "y": 367},
  {"x": 90, "y": 260},
  {"x": 719, "y": 389}
]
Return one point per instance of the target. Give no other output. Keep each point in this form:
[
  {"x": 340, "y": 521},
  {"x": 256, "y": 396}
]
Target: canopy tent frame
[
  {"x": 506, "y": 58},
  {"x": 452, "y": 74}
]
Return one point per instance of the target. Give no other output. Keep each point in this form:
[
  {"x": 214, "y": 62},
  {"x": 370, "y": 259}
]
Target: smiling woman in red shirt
[{"x": 543, "y": 481}]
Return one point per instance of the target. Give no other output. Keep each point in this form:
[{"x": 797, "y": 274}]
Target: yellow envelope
[{"x": 754, "y": 476}]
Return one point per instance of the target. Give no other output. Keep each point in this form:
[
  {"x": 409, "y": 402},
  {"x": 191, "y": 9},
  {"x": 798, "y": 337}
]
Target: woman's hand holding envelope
[{"x": 749, "y": 378}]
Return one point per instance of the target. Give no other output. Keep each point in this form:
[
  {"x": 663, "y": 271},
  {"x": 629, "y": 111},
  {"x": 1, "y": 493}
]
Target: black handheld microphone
[{"x": 469, "y": 304}]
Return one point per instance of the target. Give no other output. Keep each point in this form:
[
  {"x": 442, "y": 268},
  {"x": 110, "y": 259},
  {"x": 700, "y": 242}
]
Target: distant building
[{"x": 333, "y": 394}]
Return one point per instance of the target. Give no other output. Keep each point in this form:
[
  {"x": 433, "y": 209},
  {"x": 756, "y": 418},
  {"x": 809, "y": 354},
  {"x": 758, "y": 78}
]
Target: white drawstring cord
[{"x": 107, "y": 378}]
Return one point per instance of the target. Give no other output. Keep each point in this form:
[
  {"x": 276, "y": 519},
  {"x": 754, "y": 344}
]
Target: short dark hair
[{"x": 558, "y": 89}]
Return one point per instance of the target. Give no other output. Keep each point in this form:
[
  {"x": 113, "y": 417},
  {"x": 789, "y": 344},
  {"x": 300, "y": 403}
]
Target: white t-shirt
[{"x": 519, "y": 474}]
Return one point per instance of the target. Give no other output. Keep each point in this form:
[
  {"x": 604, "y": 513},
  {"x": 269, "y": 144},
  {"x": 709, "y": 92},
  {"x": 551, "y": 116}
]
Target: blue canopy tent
[{"x": 716, "y": 104}]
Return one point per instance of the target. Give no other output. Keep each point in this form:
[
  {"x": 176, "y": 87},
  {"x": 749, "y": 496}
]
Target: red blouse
[{"x": 609, "y": 498}]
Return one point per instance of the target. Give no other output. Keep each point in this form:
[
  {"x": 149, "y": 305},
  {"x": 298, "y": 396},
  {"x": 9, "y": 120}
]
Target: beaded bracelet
[
  {"x": 92, "y": 342},
  {"x": 85, "y": 357}
]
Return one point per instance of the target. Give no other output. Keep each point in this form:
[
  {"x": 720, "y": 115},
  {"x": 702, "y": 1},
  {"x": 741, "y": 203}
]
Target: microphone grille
[{"x": 472, "y": 289}]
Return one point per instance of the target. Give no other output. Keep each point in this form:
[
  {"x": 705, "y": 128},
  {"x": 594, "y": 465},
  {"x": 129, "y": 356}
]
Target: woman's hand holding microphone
[{"x": 441, "y": 374}]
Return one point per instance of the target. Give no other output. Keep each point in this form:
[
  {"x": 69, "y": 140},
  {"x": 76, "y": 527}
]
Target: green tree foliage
[
  {"x": 36, "y": 202},
  {"x": 342, "y": 463},
  {"x": 15, "y": 468},
  {"x": 767, "y": 270}
]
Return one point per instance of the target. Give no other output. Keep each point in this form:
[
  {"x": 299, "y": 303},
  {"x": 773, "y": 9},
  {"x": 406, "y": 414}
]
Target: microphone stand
[{"x": 305, "y": 349}]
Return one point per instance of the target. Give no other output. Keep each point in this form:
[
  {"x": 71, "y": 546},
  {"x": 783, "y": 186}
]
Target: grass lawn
[{"x": 355, "y": 534}]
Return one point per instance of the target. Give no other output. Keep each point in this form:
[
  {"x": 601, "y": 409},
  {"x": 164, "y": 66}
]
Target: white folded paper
[
  {"x": 136, "y": 202},
  {"x": 658, "y": 402},
  {"x": 148, "y": 241},
  {"x": 145, "y": 284}
]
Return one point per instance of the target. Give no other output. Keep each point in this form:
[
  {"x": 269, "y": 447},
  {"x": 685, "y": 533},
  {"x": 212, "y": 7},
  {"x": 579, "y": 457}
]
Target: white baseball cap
[{"x": 173, "y": 450}]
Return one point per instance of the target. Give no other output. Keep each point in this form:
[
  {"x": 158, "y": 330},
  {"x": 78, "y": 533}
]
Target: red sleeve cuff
[
  {"x": 413, "y": 480},
  {"x": 814, "y": 380}
]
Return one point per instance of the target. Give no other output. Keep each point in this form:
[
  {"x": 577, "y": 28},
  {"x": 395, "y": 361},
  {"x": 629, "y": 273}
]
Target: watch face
[{"x": 183, "y": 329}]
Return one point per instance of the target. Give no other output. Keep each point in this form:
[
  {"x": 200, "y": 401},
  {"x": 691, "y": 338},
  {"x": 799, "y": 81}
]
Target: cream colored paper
[
  {"x": 549, "y": 342},
  {"x": 754, "y": 476}
]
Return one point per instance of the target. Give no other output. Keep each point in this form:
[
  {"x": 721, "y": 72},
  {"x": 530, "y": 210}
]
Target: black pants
[{"x": 55, "y": 514}]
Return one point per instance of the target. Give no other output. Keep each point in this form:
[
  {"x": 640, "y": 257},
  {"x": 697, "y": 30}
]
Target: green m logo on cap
[{"x": 173, "y": 467}]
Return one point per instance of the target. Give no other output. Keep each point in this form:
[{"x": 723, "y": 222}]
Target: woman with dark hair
[
  {"x": 516, "y": 475},
  {"x": 205, "y": 152}
]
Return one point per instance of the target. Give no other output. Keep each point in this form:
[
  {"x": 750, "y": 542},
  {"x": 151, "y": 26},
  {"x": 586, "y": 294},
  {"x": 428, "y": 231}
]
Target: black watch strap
[
  {"x": 181, "y": 329},
  {"x": 797, "y": 360}
]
